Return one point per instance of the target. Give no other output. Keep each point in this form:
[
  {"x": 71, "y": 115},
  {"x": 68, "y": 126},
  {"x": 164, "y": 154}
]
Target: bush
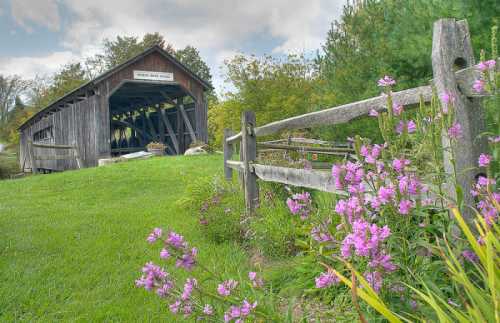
[
  {"x": 219, "y": 206},
  {"x": 8, "y": 165}
]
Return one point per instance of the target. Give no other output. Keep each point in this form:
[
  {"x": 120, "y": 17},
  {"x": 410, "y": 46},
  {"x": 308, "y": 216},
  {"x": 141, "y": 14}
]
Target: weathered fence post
[
  {"x": 249, "y": 154},
  {"x": 228, "y": 153},
  {"x": 451, "y": 48}
]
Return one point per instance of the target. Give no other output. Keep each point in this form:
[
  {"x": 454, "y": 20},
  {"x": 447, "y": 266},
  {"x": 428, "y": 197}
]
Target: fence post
[
  {"x": 249, "y": 151},
  {"x": 451, "y": 48},
  {"x": 228, "y": 153},
  {"x": 32, "y": 158}
]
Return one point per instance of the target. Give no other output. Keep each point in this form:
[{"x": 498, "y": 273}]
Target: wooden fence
[
  {"x": 33, "y": 158},
  {"x": 454, "y": 73}
]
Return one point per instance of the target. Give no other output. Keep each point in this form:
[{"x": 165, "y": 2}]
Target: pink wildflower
[
  {"x": 226, "y": 287},
  {"x": 397, "y": 108},
  {"x": 208, "y": 309},
  {"x": 484, "y": 160},
  {"x": 374, "y": 279},
  {"x": 164, "y": 254},
  {"x": 373, "y": 113},
  {"x": 455, "y": 131},
  {"x": 470, "y": 255},
  {"x": 399, "y": 164},
  {"x": 386, "y": 194},
  {"x": 478, "y": 86},
  {"x": 386, "y": 81},
  {"x": 486, "y": 65},
  {"x": 327, "y": 279},
  {"x": 256, "y": 281},
  {"x": 409, "y": 126},
  {"x": 446, "y": 98},
  {"x": 405, "y": 207},
  {"x": 155, "y": 235}
]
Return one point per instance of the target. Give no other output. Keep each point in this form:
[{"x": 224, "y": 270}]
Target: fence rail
[
  {"x": 451, "y": 48},
  {"x": 33, "y": 158}
]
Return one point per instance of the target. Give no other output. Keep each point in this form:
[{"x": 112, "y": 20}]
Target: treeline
[
  {"x": 20, "y": 99},
  {"x": 371, "y": 39}
]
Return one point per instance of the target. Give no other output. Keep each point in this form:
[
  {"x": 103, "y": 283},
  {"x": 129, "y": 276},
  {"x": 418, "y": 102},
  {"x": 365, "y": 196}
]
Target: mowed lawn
[{"x": 72, "y": 244}]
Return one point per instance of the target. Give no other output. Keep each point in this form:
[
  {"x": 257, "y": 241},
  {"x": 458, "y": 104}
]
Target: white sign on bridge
[{"x": 153, "y": 76}]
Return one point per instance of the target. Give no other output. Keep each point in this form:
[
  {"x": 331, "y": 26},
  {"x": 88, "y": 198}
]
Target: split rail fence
[{"x": 453, "y": 72}]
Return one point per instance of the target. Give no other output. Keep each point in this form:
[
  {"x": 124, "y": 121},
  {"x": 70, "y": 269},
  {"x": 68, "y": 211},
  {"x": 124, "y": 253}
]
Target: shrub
[
  {"x": 8, "y": 165},
  {"x": 219, "y": 206}
]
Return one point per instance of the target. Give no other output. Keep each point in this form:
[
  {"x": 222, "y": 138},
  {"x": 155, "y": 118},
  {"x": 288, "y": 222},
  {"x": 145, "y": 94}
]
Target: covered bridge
[{"x": 151, "y": 97}]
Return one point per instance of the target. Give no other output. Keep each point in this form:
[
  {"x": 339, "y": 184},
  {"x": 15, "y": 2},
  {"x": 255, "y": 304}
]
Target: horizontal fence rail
[
  {"x": 33, "y": 157},
  {"x": 451, "y": 44}
]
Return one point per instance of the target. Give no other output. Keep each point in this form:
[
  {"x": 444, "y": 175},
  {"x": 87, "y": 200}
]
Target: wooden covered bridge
[{"x": 151, "y": 97}]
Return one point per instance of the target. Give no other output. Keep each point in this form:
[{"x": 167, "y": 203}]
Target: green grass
[{"x": 72, "y": 244}]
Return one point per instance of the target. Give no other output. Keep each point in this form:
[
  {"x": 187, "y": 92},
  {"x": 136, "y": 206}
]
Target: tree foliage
[{"x": 273, "y": 88}]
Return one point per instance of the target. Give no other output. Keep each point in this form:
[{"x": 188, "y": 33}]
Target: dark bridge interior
[{"x": 142, "y": 112}]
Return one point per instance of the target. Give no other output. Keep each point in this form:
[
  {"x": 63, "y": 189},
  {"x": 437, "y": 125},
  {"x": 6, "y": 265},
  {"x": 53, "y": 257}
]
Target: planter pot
[{"x": 157, "y": 151}]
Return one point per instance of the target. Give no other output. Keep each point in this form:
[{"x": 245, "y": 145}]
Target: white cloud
[
  {"x": 29, "y": 67},
  {"x": 219, "y": 29},
  {"x": 43, "y": 13}
]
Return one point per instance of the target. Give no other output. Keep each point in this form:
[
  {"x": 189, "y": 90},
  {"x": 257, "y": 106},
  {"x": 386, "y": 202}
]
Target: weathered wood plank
[
  {"x": 187, "y": 122},
  {"x": 314, "y": 179},
  {"x": 31, "y": 156},
  {"x": 170, "y": 130},
  {"x": 52, "y": 146},
  {"x": 236, "y": 165},
  {"x": 304, "y": 148},
  {"x": 234, "y": 138},
  {"x": 55, "y": 157},
  {"x": 452, "y": 46},
  {"x": 344, "y": 113}
]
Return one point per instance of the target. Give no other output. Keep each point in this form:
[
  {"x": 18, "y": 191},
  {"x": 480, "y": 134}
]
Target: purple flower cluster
[
  {"x": 365, "y": 238},
  {"x": 386, "y": 81},
  {"x": 256, "y": 281},
  {"x": 371, "y": 153},
  {"x": 153, "y": 277},
  {"x": 327, "y": 279},
  {"x": 486, "y": 201},
  {"x": 300, "y": 204},
  {"x": 348, "y": 176},
  {"x": 320, "y": 232},
  {"x": 486, "y": 65},
  {"x": 409, "y": 127},
  {"x": 239, "y": 313},
  {"x": 227, "y": 287}
]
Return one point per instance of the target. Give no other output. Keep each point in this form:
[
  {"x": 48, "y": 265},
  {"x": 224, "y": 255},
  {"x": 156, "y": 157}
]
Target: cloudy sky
[{"x": 38, "y": 36}]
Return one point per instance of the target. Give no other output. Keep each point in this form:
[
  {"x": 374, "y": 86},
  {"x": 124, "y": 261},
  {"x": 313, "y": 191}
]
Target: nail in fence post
[
  {"x": 451, "y": 47},
  {"x": 228, "y": 153},
  {"x": 249, "y": 151}
]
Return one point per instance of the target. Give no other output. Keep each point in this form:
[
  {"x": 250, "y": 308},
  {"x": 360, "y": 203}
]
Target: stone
[{"x": 195, "y": 151}]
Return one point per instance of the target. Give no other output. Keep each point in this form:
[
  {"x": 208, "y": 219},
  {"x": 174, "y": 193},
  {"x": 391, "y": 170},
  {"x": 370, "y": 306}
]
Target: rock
[
  {"x": 195, "y": 151},
  {"x": 132, "y": 156},
  {"x": 138, "y": 155}
]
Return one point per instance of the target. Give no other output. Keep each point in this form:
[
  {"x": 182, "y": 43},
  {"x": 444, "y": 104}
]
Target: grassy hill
[{"x": 73, "y": 243}]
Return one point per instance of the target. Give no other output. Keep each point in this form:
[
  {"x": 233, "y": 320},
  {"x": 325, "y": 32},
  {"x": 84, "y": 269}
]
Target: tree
[
  {"x": 273, "y": 88},
  {"x": 10, "y": 89},
  {"x": 190, "y": 57},
  {"x": 44, "y": 91}
]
